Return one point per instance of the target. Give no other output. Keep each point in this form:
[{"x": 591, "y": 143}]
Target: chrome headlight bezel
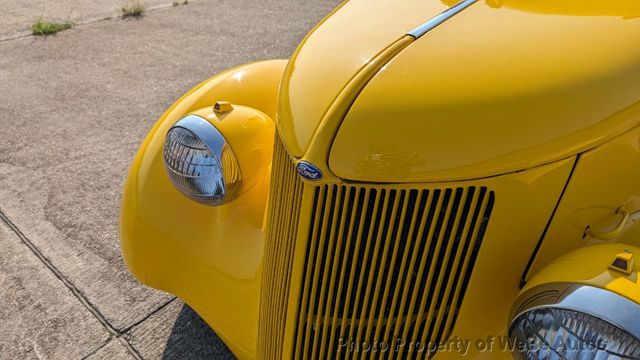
[
  {"x": 611, "y": 311},
  {"x": 208, "y": 173}
]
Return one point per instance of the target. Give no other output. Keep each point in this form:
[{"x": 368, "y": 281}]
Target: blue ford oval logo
[{"x": 309, "y": 171}]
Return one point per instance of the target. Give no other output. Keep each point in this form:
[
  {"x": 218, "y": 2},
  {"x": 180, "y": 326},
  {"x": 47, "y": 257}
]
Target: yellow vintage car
[{"x": 422, "y": 179}]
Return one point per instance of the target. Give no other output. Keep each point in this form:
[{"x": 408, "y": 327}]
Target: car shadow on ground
[{"x": 192, "y": 338}]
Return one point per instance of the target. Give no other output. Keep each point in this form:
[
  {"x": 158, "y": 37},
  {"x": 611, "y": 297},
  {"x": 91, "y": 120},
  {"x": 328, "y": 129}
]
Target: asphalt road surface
[{"x": 74, "y": 108}]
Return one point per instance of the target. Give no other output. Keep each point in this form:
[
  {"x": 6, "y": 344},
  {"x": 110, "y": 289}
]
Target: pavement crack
[
  {"x": 95, "y": 351},
  {"x": 157, "y": 310},
  {"x": 132, "y": 351},
  {"x": 69, "y": 285}
]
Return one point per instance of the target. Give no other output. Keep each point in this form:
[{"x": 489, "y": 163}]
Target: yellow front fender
[{"x": 208, "y": 256}]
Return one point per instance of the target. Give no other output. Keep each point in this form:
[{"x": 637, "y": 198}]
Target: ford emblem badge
[{"x": 309, "y": 171}]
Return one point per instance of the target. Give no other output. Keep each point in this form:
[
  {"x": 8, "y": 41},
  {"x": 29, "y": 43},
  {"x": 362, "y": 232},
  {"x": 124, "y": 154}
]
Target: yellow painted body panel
[
  {"x": 604, "y": 180},
  {"x": 329, "y": 57},
  {"x": 590, "y": 266},
  {"x": 508, "y": 244},
  {"x": 537, "y": 102},
  {"x": 618, "y": 8},
  {"x": 208, "y": 256},
  {"x": 494, "y": 90},
  {"x": 317, "y": 153},
  {"x": 509, "y": 240}
]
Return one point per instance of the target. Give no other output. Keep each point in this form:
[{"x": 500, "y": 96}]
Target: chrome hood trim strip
[{"x": 440, "y": 18}]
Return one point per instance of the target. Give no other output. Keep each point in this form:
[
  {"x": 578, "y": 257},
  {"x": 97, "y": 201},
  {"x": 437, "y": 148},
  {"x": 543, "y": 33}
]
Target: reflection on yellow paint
[{"x": 622, "y": 8}]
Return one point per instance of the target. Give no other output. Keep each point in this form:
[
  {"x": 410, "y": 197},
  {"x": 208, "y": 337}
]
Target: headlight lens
[
  {"x": 585, "y": 323},
  {"x": 200, "y": 163},
  {"x": 559, "y": 334}
]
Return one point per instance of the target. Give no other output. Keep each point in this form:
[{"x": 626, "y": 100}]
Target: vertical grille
[
  {"x": 385, "y": 265},
  {"x": 284, "y": 205}
]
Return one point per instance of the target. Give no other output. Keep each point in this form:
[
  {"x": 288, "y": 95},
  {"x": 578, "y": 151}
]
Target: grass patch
[
  {"x": 43, "y": 28},
  {"x": 132, "y": 9},
  {"x": 178, "y": 3}
]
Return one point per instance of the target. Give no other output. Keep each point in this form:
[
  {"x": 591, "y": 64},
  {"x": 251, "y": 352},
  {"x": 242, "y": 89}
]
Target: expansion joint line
[{"x": 114, "y": 333}]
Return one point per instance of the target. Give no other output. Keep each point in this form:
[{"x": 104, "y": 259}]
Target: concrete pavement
[
  {"x": 73, "y": 109},
  {"x": 18, "y": 15}
]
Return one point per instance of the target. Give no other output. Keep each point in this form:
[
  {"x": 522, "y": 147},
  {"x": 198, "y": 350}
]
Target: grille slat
[
  {"x": 446, "y": 314},
  {"x": 474, "y": 244},
  {"x": 317, "y": 270},
  {"x": 435, "y": 300},
  {"x": 357, "y": 272},
  {"x": 379, "y": 264},
  {"x": 403, "y": 277},
  {"x": 391, "y": 244},
  {"x": 401, "y": 257},
  {"x": 285, "y": 200},
  {"x": 433, "y": 270},
  {"x": 409, "y": 296},
  {"x": 338, "y": 303},
  {"x": 348, "y": 303},
  {"x": 315, "y": 218},
  {"x": 409, "y": 329},
  {"x": 330, "y": 239},
  {"x": 362, "y": 301},
  {"x": 330, "y": 300}
]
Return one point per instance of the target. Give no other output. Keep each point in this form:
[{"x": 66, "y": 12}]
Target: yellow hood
[
  {"x": 503, "y": 86},
  {"x": 334, "y": 52}
]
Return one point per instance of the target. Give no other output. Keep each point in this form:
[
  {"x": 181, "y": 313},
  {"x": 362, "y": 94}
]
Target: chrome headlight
[
  {"x": 566, "y": 321},
  {"x": 200, "y": 163}
]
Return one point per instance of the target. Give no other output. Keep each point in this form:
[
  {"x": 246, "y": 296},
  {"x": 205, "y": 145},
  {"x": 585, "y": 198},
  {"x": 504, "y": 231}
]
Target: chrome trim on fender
[
  {"x": 603, "y": 304},
  {"x": 205, "y": 131},
  {"x": 226, "y": 183},
  {"x": 440, "y": 18}
]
